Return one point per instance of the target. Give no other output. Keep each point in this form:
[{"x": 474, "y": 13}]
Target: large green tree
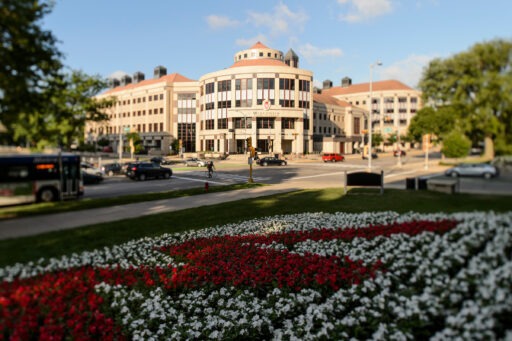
[
  {"x": 28, "y": 57},
  {"x": 477, "y": 86},
  {"x": 69, "y": 104}
]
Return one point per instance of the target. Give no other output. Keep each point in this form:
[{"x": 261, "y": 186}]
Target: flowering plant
[{"x": 305, "y": 276}]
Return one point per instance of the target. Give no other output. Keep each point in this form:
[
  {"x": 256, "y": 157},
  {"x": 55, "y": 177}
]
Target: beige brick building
[
  {"x": 393, "y": 103},
  {"x": 264, "y": 96},
  {"x": 160, "y": 110}
]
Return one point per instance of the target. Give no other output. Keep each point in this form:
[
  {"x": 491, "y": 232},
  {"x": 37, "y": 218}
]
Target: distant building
[
  {"x": 393, "y": 103},
  {"x": 160, "y": 110},
  {"x": 264, "y": 96}
]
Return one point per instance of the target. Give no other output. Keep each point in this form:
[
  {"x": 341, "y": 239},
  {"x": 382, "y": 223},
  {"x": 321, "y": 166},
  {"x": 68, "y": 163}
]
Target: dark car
[
  {"x": 399, "y": 152},
  {"x": 112, "y": 168},
  {"x": 160, "y": 160},
  {"x": 91, "y": 178},
  {"x": 271, "y": 161},
  {"x": 147, "y": 170}
]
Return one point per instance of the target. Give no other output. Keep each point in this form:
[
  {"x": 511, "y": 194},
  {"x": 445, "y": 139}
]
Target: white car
[
  {"x": 195, "y": 162},
  {"x": 88, "y": 168},
  {"x": 473, "y": 169}
]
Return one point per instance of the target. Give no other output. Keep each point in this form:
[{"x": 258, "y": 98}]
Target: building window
[
  {"x": 265, "y": 122},
  {"x": 288, "y": 123},
  {"x": 243, "y": 123},
  {"x": 414, "y": 104},
  {"x": 161, "y": 126},
  {"x": 389, "y": 103},
  {"x": 287, "y": 92},
  {"x": 357, "y": 126},
  {"x": 265, "y": 90},
  {"x": 222, "y": 123},
  {"x": 243, "y": 93},
  {"x": 210, "y": 145},
  {"x": 224, "y": 86},
  {"x": 161, "y": 96},
  {"x": 209, "y": 124},
  {"x": 306, "y": 124}
]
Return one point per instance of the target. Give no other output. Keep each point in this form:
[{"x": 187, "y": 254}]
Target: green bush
[{"x": 456, "y": 144}]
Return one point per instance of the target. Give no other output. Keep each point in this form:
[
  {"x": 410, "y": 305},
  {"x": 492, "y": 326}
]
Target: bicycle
[{"x": 209, "y": 175}]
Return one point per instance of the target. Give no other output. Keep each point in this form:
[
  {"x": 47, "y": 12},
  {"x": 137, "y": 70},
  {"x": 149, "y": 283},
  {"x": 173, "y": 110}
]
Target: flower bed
[{"x": 306, "y": 276}]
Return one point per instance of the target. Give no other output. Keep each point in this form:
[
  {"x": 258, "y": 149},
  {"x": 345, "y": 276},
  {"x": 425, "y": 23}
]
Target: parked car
[
  {"x": 112, "y": 168},
  {"x": 195, "y": 162},
  {"x": 89, "y": 168},
  {"x": 374, "y": 156},
  {"x": 148, "y": 170},
  {"x": 332, "y": 157},
  {"x": 271, "y": 161},
  {"x": 473, "y": 169},
  {"x": 160, "y": 160},
  {"x": 107, "y": 149},
  {"x": 399, "y": 152},
  {"x": 90, "y": 178}
]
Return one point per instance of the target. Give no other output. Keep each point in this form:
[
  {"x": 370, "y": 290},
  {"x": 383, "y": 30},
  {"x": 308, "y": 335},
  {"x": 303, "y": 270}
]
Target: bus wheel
[{"x": 47, "y": 195}]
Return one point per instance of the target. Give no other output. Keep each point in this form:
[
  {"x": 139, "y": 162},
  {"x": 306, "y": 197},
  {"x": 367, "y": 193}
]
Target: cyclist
[{"x": 210, "y": 168}]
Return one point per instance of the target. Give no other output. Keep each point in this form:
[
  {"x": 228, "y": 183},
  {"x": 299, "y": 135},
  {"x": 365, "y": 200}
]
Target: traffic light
[{"x": 249, "y": 142}]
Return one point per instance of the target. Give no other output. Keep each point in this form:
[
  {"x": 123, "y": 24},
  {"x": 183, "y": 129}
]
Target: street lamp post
[{"x": 378, "y": 63}]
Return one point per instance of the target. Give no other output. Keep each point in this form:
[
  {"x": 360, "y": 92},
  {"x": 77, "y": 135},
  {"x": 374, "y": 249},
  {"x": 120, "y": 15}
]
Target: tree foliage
[
  {"x": 69, "y": 104},
  {"x": 456, "y": 144},
  {"x": 476, "y": 87},
  {"x": 41, "y": 104},
  {"x": 28, "y": 56}
]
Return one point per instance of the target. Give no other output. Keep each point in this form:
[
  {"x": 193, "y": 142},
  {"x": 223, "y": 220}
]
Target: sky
[{"x": 333, "y": 38}]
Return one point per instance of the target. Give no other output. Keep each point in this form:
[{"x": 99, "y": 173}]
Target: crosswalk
[{"x": 218, "y": 178}]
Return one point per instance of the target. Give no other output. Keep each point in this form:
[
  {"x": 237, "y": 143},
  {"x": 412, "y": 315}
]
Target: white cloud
[
  {"x": 218, "y": 22},
  {"x": 408, "y": 71},
  {"x": 360, "y": 10},
  {"x": 312, "y": 53},
  {"x": 280, "y": 20}
]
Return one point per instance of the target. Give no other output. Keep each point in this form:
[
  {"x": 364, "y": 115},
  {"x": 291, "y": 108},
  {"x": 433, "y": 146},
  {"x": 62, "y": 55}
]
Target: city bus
[{"x": 39, "y": 178}]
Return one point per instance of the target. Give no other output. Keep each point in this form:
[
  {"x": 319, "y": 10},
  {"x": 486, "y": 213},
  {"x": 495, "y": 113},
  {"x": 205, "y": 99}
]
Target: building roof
[
  {"x": 259, "y": 45},
  {"x": 388, "y": 85},
  {"x": 259, "y": 62},
  {"x": 328, "y": 99},
  {"x": 172, "y": 78}
]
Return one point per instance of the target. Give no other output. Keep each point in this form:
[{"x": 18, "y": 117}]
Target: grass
[
  {"x": 84, "y": 204},
  {"x": 60, "y": 243}
]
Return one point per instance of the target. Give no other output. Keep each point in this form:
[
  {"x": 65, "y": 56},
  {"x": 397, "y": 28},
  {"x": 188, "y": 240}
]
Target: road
[{"x": 301, "y": 173}]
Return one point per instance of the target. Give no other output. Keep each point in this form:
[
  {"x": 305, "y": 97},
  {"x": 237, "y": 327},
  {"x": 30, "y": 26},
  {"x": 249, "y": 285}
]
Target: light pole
[{"x": 378, "y": 63}]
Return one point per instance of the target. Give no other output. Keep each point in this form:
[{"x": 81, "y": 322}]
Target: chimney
[
  {"x": 327, "y": 84},
  {"x": 138, "y": 77},
  {"x": 160, "y": 71},
  {"x": 113, "y": 83},
  {"x": 346, "y": 82},
  {"x": 125, "y": 80}
]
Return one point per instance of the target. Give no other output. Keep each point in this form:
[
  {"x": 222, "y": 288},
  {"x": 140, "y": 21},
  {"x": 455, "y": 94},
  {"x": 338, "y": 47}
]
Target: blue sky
[{"x": 333, "y": 38}]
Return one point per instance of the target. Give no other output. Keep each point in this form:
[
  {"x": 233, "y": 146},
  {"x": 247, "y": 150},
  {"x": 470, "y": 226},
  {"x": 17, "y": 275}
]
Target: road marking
[
  {"x": 313, "y": 176},
  {"x": 199, "y": 180},
  {"x": 399, "y": 174}
]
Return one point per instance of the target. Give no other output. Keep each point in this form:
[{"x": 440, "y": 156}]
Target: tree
[
  {"x": 69, "y": 104},
  {"x": 477, "y": 85},
  {"x": 28, "y": 57},
  {"x": 456, "y": 144},
  {"x": 437, "y": 122},
  {"x": 136, "y": 140},
  {"x": 377, "y": 139}
]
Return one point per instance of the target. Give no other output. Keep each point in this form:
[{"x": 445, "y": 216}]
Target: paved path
[{"x": 28, "y": 226}]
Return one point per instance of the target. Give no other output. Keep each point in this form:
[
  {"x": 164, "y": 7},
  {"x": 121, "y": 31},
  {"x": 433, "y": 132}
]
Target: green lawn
[{"x": 322, "y": 200}]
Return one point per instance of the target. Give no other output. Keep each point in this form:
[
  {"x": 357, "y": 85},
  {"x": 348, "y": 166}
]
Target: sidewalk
[{"x": 22, "y": 227}]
